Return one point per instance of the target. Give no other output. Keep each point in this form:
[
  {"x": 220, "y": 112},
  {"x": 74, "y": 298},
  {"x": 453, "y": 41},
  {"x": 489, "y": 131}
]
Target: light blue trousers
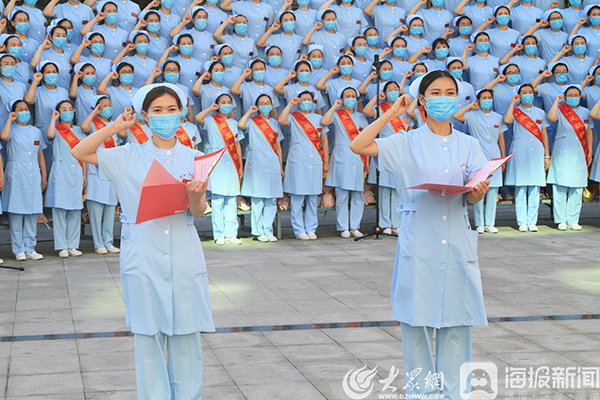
[
  {"x": 224, "y": 216},
  {"x": 388, "y": 217},
  {"x": 66, "y": 227},
  {"x": 263, "y": 215},
  {"x": 102, "y": 220},
  {"x": 527, "y": 204},
  {"x": 491, "y": 200},
  {"x": 566, "y": 204},
  {"x": 178, "y": 379},
  {"x": 357, "y": 207},
  {"x": 23, "y": 232},
  {"x": 310, "y": 221},
  {"x": 453, "y": 347}
]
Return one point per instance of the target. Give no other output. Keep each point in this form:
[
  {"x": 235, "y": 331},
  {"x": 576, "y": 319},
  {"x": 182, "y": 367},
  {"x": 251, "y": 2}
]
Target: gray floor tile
[
  {"x": 44, "y": 384},
  {"x": 294, "y": 391},
  {"x": 105, "y": 381}
]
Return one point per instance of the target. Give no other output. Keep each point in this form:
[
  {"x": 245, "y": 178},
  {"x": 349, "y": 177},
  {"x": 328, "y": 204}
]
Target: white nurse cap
[
  {"x": 341, "y": 91},
  {"x": 140, "y": 96}
]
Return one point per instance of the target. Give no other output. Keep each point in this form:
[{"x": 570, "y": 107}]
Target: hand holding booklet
[
  {"x": 163, "y": 195},
  {"x": 484, "y": 173}
]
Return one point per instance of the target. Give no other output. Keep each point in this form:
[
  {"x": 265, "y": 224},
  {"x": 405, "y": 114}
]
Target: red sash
[
  {"x": 68, "y": 136},
  {"x": 396, "y": 122},
  {"x": 309, "y": 129},
  {"x": 183, "y": 137},
  {"x": 229, "y": 139},
  {"x": 577, "y": 125},
  {"x": 351, "y": 129},
  {"x": 266, "y": 129},
  {"x": 139, "y": 134},
  {"x": 99, "y": 124},
  {"x": 527, "y": 123},
  {"x": 422, "y": 112}
]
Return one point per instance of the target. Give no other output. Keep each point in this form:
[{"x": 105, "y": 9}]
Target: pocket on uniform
[{"x": 406, "y": 241}]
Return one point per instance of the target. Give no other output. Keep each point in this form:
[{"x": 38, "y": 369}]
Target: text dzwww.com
[{"x": 398, "y": 396}]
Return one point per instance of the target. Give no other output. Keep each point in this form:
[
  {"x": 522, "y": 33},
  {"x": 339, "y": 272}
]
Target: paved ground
[{"x": 52, "y": 314}]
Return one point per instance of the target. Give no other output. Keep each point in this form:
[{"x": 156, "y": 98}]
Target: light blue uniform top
[
  {"x": 44, "y": 104},
  {"x": 503, "y": 93},
  {"x": 103, "y": 66},
  {"x": 387, "y": 19},
  {"x": 316, "y": 75},
  {"x": 593, "y": 42},
  {"x": 250, "y": 92},
  {"x": 526, "y": 167},
  {"x": 571, "y": 17},
  {"x": 478, "y": 15},
  {"x": 435, "y": 64},
  {"x": 523, "y": 18},
  {"x": 192, "y": 132},
  {"x": 65, "y": 183},
  {"x": 346, "y": 168},
  {"x": 578, "y": 68},
  {"x": 22, "y": 193},
  {"x": 191, "y": 69},
  {"x": 167, "y": 22},
  {"x": 413, "y": 45},
  {"x": 466, "y": 96},
  {"x": 83, "y": 102},
  {"x": 131, "y": 139},
  {"x": 129, "y": 12},
  {"x": 259, "y": 16},
  {"x": 224, "y": 179},
  {"x": 550, "y": 43},
  {"x": 24, "y": 72},
  {"x": 568, "y": 166},
  {"x": 37, "y": 22},
  {"x": 399, "y": 68},
  {"x": 63, "y": 60},
  {"x": 157, "y": 47},
  {"x": 273, "y": 76},
  {"x": 435, "y": 22},
  {"x": 486, "y": 127},
  {"x": 10, "y": 91},
  {"x": 79, "y": 15},
  {"x": 529, "y": 68},
  {"x": 209, "y": 92},
  {"x": 30, "y": 46},
  {"x": 114, "y": 40},
  {"x": 142, "y": 69},
  {"x": 291, "y": 47},
  {"x": 305, "y": 21},
  {"x": 295, "y": 89},
  {"x": 501, "y": 41},
  {"x": 244, "y": 49},
  {"x": 262, "y": 171},
  {"x": 548, "y": 93},
  {"x": 591, "y": 95},
  {"x": 457, "y": 46},
  {"x": 304, "y": 166},
  {"x": 179, "y": 7},
  {"x": 204, "y": 44},
  {"x": 436, "y": 280},
  {"x": 350, "y": 20},
  {"x": 482, "y": 69},
  {"x": 120, "y": 98},
  {"x": 334, "y": 85},
  {"x": 333, "y": 45},
  {"x": 165, "y": 286},
  {"x": 361, "y": 69},
  {"x": 100, "y": 190},
  {"x": 216, "y": 17}
]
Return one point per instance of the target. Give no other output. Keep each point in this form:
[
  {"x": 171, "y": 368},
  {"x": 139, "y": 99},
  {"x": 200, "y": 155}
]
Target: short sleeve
[
  {"x": 545, "y": 122},
  {"x": 388, "y": 150},
  {"x": 468, "y": 117},
  {"x": 112, "y": 162},
  {"x": 503, "y": 127}
]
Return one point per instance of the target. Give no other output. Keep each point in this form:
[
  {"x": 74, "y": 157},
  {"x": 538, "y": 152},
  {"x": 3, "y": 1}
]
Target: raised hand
[
  {"x": 338, "y": 103},
  {"x": 37, "y": 77},
  {"x": 12, "y": 116},
  {"x": 295, "y": 101},
  {"x": 515, "y": 99},
  {"x": 97, "y": 110},
  {"x": 382, "y": 96},
  {"x": 501, "y": 78},
  {"x": 474, "y": 106},
  {"x": 247, "y": 72},
  {"x": 318, "y": 25},
  {"x": 547, "y": 74},
  {"x": 401, "y": 105},
  {"x": 253, "y": 109},
  {"x": 78, "y": 75},
  {"x": 559, "y": 98},
  {"x": 55, "y": 115}
]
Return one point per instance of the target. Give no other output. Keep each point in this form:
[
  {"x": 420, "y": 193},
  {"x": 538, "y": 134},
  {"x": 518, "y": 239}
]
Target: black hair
[
  {"x": 14, "y": 106},
  {"x": 263, "y": 95},
  {"x": 420, "y": 63},
  {"x": 158, "y": 92},
  {"x": 274, "y": 47},
  {"x": 123, "y": 65},
  {"x": 458, "y": 21},
  {"x": 45, "y": 65},
  {"x": 524, "y": 86},
  {"x": 328, "y": 12},
  {"x": 398, "y": 38},
  {"x": 312, "y": 95},
  {"x": 224, "y": 94},
  {"x": 358, "y": 37},
  {"x": 299, "y": 63},
  {"x": 56, "y": 27},
  {"x": 143, "y": 33},
  {"x": 100, "y": 99},
  {"x": 109, "y": 2},
  {"x": 560, "y": 63},
  {"x": 454, "y": 61},
  {"x": 482, "y": 91},
  {"x": 258, "y": 60},
  {"x": 287, "y": 12},
  {"x": 590, "y": 10},
  {"x": 222, "y": 47},
  {"x": 197, "y": 11},
  {"x": 438, "y": 41},
  {"x": 479, "y": 34},
  {"x": 151, "y": 12},
  {"x": 386, "y": 61},
  {"x": 432, "y": 77},
  {"x": 342, "y": 57},
  {"x": 500, "y": 7},
  {"x": 513, "y": 65},
  {"x": 389, "y": 83},
  {"x": 183, "y": 36},
  {"x": 212, "y": 66},
  {"x": 350, "y": 88},
  {"x": 572, "y": 87},
  {"x": 93, "y": 35},
  {"x": 7, "y": 55},
  {"x": 536, "y": 41},
  {"x": 19, "y": 12},
  {"x": 72, "y": 105}
]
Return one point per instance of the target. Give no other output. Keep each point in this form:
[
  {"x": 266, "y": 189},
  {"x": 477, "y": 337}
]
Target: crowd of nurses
[{"x": 304, "y": 76}]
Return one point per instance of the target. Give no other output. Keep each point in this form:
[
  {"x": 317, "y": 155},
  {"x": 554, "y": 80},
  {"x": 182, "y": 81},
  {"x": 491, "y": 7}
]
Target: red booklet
[{"x": 484, "y": 173}]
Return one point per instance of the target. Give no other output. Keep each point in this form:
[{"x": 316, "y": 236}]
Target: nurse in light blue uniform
[
  {"x": 262, "y": 172},
  {"x": 548, "y": 91},
  {"x": 592, "y": 31},
  {"x": 349, "y": 16},
  {"x": 373, "y": 42},
  {"x": 249, "y": 91},
  {"x": 477, "y": 13},
  {"x": 24, "y": 71},
  {"x": 415, "y": 40},
  {"x": 114, "y": 36},
  {"x": 142, "y": 124},
  {"x": 436, "y": 20},
  {"x": 530, "y": 65},
  {"x": 25, "y": 179},
  {"x": 288, "y": 41},
  {"x": 454, "y": 65},
  {"x": 344, "y": 67},
  {"x": 333, "y": 42},
  {"x": 190, "y": 129},
  {"x": 306, "y": 17},
  {"x": 129, "y": 12},
  {"x": 168, "y": 19},
  {"x": 526, "y": 169},
  {"x": 213, "y": 70},
  {"x": 305, "y": 166},
  {"x": 65, "y": 184},
  {"x": 570, "y": 160},
  {"x": 369, "y": 86},
  {"x": 440, "y": 51},
  {"x": 301, "y": 72},
  {"x": 437, "y": 284},
  {"x": 96, "y": 57},
  {"x": 37, "y": 20},
  {"x": 550, "y": 36},
  {"x": 578, "y": 63},
  {"x": 398, "y": 57},
  {"x": 482, "y": 67},
  {"x": 243, "y": 46},
  {"x": 170, "y": 72},
  {"x": 10, "y": 89},
  {"x": 141, "y": 62},
  {"x": 225, "y": 55},
  {"x": 502, "y": 38},
  {"x": 387, "y": 16},
  {"x": 52, "y": 50},
  {"x": 216, "y": 16},
  {"x": 274, "y": 72},
  {"x": 348, "y": 170},
  {"x": 486, "y": 126},
  {"x": 591, "y": 96},
  {"x": 20, "y": 21},
  {"x": 315, "y": 56},
  {"x": 191, "y": 68},
  {"x": 75, "y": 11},
  {"x": 204, "y": 42},
  {"x": 225, "y": 178},
  {"x": 82, "y": 87},
  {"x": 523, "y": 15},
  {"x": 259, "y": 13},
  {"x": 157, "y": 44},
  {"x": 457, "y": 44},
  {"x": 121, "y": 95}
]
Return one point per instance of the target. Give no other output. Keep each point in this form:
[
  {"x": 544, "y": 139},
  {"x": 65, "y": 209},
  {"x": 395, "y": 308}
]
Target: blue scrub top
[
  {"x": 578, "y": 68},
  {"x": 593, "y": 42},
  {"x": 413, "y": 45},
  {"x": 259, "y": 16},
  {"x": 333, "y": 46},
  {"x": 103, "y": 66},
  {"x": 216, "y": 17},
  {"x": 388, "y": 18},
  {"x": 435, "y": 22},
  {"x": 503, "y": 93},
  {"x": 482, "y": 70},
  {"x": 120, "y": 98},
  {"x": 334, "y": 85},
  {"x": 24, "y": 72},
  {"x": 273, "y": 76},
  {"x": 167, "y": 22},
  {"x": 550, "y": 43},
  {"x": 523, "y": 18},
  {"x": 83, "y": 102},
  {"x": 399, "y": 68},
  {"x": 305, "y": 21},
  {"x": 291, "y": 48},
  {"x": 37, "y": 22},
  {"x": 45, "y": 99},
  {"x": 295, "y": 89},
  {"x": 571, "y": 17},
  {"x": 63, "y": 60},
  {"x": 129, "y": 12},
  {"x": 457, "y": 46},
  {"x": 10, "y": 91},
  {"x": 114, "y": 40},
  {"x": 530, "y": 68},
  {"x": 478, "y": 15},
  {"x": 501, "y": 42},
  {"x": 131, "y": 139},
  {"x": 350, "y": 20},
  {"x": 100, "y": 190},
  {"x": 204, "y": 44},
  {"x": 191, "y": 70},
  {"x": 79, "y": 15},
  {"x": 142, "y": 69},
  {"x": 244, "y": 49},
  {"x": 158, "y": 46},
  {"x": 250, "y": 92},
  {"x": 30, "y": 46},
  {"x": 591, "y": 95},
  {"x": 209, "y": 92}
]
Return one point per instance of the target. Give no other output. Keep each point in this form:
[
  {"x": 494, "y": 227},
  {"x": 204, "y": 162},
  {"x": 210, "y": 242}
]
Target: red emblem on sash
[
  {"x": 351, "y": 129},
  {"x": 266, "y": 129},
  {"x": 99, "y": 124},
  {"x": 229, "y": 139},
  {"x": 139, "y": 134},
  {"x": 527, "y": 123},
  {"x": 309, "y": 129},
  {"x": 577, "y": 125},
  {"x": 395, "y": 122}
]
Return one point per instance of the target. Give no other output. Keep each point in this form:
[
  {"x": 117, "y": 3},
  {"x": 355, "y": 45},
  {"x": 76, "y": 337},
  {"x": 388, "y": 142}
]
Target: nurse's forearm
[{"x": 86, "y": 149}]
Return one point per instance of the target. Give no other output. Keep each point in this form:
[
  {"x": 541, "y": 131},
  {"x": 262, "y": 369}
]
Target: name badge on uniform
[
  {"x": 299, "y": 51},
  {"x": 538, "y": 121},
  {"x": 84, "y": 22},
  {"x": 495, "y": 69},
  {"x": 468, "y": 98},
  {"x": 358, "y": 22},
  {"x": 36, "y": 142},
  {"x": 587, "y": 121},
  {"x": 212, "y": 46},
  {"x": 123, "y": 44},
  {"x": 251, "y": 53},
  {"x": 496, "y": 126},
  {"x": 266, "y": 19},
  {"x": 513, "y": 45},
  {"x": 198, "y": 74},
  {"x": 341, "y": 50},
  {"x": 402, "y": 21},
  {"x": 447, "y": 25},
  {"x": 537, "y": 20},
  {"x": 134, "y": 15},
  {"x": 540, "y": 72}
]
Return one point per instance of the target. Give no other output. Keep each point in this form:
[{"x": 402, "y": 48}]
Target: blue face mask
[
  {"x": 201, "y": 24},
  {"x": 419, "y": 74},
  {"x": 184, "y": 112},
  {"x": 465, "y": 30},
  {"x": 330, "y": 25},
  {"x": 390, "y": 1},
  {"x": 126, "y": 79},
  {"x": 556, "y": 24},
  {"x": 186, "y": 49},
  {"x": 373, "y": 40},
  {"x": 227, "y": 59},
  {"x": 392, "y": 95},
  {"x": 442, "y": 108},
  {"x": 361, "y": 50},
  {"x": 575, "y": 3},
  {"x": 259, "y": 76},
  {"x": 486, "y": 104},
  {"x": 153, "y": 27},
  {"x": 111, "y": 18},
  {"x": 480, "y": 1},
  {"x": 59, "y": 42},
  {"x": 303, "y": 3},
  {"x": 9, "y": 71},
  {"x": 399, "y": 52},
  {"x": 573, "y": 101},
  {"x": 22, "y": 27},
  {"x": 23, "y": 117},
  {"x": 106, "y": 112},
  {"x": 67, "y": 116},
  {"x": 303, "y": 76},
  {"x": 416, "y": 30},
  {"x": 598, "y": 80},
  {"x": 530, "y": 49},
  {"x": 441, "y": 53},
  {"x": 89, "y": 79},
  {"x": 225, "y": 109},
  {"x": 31, "y": 3},
  {"x": 560, "y": 78},
  {"x": 97, "y": 49},
  {"x": 171, "y": 77},
  {"x": 386, "y": 75},
  {"x": 289, "y": 26},
  {"x": 265, "y": 110},
  {"x": 595, "y": 21},
  {"x": 212, "y": 2},
  {"x": 306, "y": 105},
  {"x": 51, "y": 79},
  {"x": 579, "y": 49},
  {"x": 218, "y": 76},
  {"x": 350, "y": 102},
  {"x": 69, "y": 34},
  {"x": 165, "y": 125},
  {"x": 437, "y": 3},
  {"x": 167, "y": 3},
  {"x": 527, "y": 99},
  {"x": 139, "y": 116},
  {"x": 346, "y": 69},
  {"x": 483, "y": 46},
  {"x": 241, "y": 29},
  {"x": 142, "y": 48},
  {"x": 457, "y": 73},
  {"x": 274, "y": 61},
  {"x": 316, "y": 62},
  {"x": 513, "y": 79},
  {"x": 15, "y": 51},
  {"x": 502, "y": 19}
]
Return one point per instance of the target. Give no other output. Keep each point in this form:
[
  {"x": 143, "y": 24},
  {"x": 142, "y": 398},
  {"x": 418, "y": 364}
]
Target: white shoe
[
  {"x": 34, "y": 256},
  {"x": 101, "y": 251},
  {"x": 220, "y": 241},
  {"x": 345, "y": 234},
  {"x": 356, "y": 233},
  {"x": 395, "y": 231},
  {"x": 312, "y": 235},
  {"x": 480, "y": 229},
  {"x": 63, "y": 253},
  {"x": 20, "y": 257},
  {"x": 74, "y": 253},
  {"x": 491, "y": 229},
  {"x": 562, "y": 226},
  {"x": 112, "y": 249},
  {"x": 272, "y": 238},
  {"x": 523, "y": 228},
  {"x": 387, "y": 231},
  {"x": 533, "y": 228},
  {"x": 302, "y": 236},
  {"x": 233, "y": 240},
  {"x": 575, "y": 227},
  {"x": 208, "y": 209},
  {"x": 1, "y": 261},
  {"x": 263, "y": 238}
]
